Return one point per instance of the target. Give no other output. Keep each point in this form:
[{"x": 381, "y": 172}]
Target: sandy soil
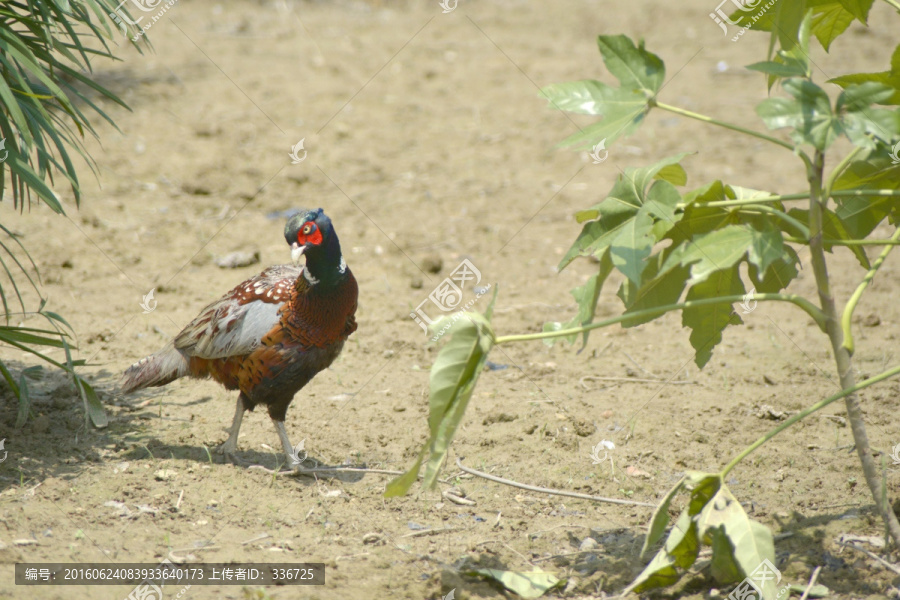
[{"x": 427, "y": 144}]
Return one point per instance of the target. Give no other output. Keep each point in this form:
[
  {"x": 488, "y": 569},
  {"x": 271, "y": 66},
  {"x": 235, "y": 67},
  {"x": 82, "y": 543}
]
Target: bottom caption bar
[{"x": 168, "y": 573}]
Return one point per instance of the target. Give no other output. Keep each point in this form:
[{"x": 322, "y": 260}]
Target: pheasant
[{"x": 270, "y": 335}]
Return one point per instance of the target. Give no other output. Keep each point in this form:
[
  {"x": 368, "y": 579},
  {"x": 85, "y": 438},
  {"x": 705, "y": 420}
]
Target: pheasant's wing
[{"x": 235, "y": 324}]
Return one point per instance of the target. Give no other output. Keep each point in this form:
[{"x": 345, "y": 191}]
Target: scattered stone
[
  {"x": 632, "y": 471},
  {"x": 456, "y": 499},
  {"x": 416, "y": 282},
  {"x": 768, "y": 380},
  {"x": 238, "y": 259},
  {"x": 872, "y": 321},
  {"x": 588, "y": 544},
  {"x": 164, "y": 474},
  {"x": 432, "y": 264},
  {"x": 196, "y": 189},
  {"x": 583, "y": 427},
  {"x": 373, "y": 539},
  {"x": 499, "y": 418},
  {"x": 120, "y": 507},
  {"x": 457, "y": 491},
  {"x": 765, "y": 411}
]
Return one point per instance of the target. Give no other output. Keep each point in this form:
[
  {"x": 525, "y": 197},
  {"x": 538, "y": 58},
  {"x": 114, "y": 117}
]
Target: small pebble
[
  {"x": 588, "y": 543},
  {"x": 235, "y": 260},
  {"x": 164, "y": 474}
]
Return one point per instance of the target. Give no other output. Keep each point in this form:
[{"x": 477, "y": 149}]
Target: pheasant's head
[
  {"x": 311, "y": 234},
  {"x": 306, "y": 232}
]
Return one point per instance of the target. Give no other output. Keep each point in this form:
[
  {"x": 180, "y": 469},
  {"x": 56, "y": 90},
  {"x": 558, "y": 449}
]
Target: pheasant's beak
[{"x": 296, "y": 252}]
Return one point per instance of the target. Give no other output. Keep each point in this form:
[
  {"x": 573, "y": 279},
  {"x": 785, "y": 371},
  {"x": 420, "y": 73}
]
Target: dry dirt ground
[{"x": 427, "y": 144}]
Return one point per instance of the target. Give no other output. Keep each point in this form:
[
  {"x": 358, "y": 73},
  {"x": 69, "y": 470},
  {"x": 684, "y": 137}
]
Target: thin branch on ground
[
  {"x": 635, "y": 380},
  {"x": 543, "y": 490},
  {"x": 872, "y": 555},
  {"x": 639, "y": 366},
  {"x": 423, "y": 532}
]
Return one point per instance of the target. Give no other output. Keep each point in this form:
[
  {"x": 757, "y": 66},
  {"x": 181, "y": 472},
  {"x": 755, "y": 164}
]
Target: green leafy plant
[
  {"x": 46, "y": 49},
  {"x": 688, "y": 251}
]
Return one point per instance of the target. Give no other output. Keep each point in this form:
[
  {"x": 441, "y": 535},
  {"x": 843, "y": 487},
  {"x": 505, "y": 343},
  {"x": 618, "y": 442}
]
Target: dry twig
[
  {"x": 873, "y": 556},
  {"x": 543, "y": 490},
  {"x": 812, "y": 582}
]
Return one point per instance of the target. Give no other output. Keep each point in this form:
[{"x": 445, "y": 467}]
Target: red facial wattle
[{"x": 309, "y": 234}]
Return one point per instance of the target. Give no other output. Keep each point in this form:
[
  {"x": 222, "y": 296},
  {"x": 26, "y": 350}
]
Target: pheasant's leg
[
  {"x": 286, "y": 444},
  {"x": 229, "y": 446}
]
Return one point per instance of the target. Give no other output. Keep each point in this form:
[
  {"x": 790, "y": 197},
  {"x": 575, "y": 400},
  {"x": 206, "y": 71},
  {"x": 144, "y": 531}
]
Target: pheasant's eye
[{"x": 309, "y": 234}]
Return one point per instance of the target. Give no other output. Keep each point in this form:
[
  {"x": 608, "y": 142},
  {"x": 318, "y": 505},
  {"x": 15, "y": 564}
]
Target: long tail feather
[{"x": 161, "y": 368}]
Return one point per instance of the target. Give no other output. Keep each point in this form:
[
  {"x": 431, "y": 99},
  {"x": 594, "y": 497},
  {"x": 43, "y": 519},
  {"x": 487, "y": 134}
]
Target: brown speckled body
[{"x": 310, "y": 333}]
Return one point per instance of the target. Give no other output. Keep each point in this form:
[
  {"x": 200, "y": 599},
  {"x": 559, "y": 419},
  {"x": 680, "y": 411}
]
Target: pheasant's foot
[{"x": 228, "y": 447}]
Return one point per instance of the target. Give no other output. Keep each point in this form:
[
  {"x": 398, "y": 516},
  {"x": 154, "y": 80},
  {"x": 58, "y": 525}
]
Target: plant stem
[
  {"x": 894, "y": 3},
  {"x": 840, "y": 168},
  {"x": 800, "y": 196},
  {"x": 805, "y": 413},
  {"x": 751, "y": 201},
  {"x": 817, "y": 315},
  {"x": 731, "y": 126},
  {"x": 835, "y": 335},
  {"x": 855, "y": 193},
  {"x": 847, "y": 316},
  {"x": 889, "y": 242}
]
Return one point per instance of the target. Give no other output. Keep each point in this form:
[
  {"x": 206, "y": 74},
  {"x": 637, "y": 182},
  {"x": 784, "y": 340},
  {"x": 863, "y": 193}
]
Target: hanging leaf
[{"x": 453, "y": 376}]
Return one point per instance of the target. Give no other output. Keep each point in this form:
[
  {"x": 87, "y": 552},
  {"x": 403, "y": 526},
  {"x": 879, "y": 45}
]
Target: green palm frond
[{"x": 46, "y": 52}]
